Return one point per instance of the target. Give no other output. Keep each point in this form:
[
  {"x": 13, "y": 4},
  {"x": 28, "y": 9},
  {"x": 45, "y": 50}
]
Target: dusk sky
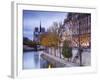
[{"x": 31, "y": 19}]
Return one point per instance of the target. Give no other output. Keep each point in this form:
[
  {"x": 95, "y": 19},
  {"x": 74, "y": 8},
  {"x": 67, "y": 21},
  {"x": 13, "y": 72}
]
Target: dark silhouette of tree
[
  {"x": 66, "y": 50},
  {"x": 29, "y": 42}
]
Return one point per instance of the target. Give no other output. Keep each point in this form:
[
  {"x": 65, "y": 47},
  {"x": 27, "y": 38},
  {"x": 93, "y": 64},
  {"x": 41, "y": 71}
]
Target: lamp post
[{"x": 79, "y": 46}]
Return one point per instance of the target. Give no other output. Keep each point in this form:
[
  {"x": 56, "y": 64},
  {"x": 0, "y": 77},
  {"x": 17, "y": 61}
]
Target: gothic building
[{"x": 37, "y": 32}]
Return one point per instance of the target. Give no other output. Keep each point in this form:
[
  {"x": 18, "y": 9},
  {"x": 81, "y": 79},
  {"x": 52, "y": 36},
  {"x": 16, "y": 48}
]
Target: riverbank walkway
[{"x": 58, "y": 62}]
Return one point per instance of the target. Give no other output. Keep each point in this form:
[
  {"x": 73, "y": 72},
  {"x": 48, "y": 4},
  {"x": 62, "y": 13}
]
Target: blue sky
[{"x": 31, "y": 19}]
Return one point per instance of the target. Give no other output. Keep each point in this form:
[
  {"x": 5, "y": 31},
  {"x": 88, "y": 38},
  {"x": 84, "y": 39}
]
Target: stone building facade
[
  {"x": 78, "y": 26},
  {"x": 37, "y": 32}
]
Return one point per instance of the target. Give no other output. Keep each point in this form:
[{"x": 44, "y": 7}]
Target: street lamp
[{"x": 79, "y": 46}]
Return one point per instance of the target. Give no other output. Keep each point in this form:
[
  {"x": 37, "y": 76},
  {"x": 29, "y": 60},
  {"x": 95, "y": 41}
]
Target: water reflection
[{"x": 33, "y": 60}]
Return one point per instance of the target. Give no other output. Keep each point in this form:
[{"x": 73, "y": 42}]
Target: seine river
[{"x": 33, "y": 60}]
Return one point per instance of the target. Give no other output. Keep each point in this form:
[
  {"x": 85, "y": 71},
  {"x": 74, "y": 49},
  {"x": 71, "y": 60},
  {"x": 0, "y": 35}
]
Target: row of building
[{"x": 78, "y": 27}]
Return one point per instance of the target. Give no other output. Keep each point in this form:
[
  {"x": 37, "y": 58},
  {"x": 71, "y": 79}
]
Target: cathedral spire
[{"x": 40, "y": 26}]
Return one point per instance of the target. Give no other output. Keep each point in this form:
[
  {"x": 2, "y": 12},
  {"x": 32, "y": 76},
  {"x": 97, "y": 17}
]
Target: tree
[
  {"x": 55, "y": 29},
  {"x": 49, "y": 40},
  {"x": 66, "y": 50},
  {"x": 29, "y": 42}
]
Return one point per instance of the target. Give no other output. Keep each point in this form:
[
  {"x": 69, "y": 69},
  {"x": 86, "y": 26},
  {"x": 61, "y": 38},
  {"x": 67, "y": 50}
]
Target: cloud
[
  {"x": 31, "y": 19},
  {"x": 28, "y": 34}
]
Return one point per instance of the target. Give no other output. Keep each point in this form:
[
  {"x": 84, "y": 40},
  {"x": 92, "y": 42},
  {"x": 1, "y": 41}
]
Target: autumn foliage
[{"x": 49, "y": 40}]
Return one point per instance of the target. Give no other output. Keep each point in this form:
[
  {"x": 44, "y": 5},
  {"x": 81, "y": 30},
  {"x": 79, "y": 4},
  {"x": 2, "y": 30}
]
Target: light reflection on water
[{"x": 33, "y": 60}]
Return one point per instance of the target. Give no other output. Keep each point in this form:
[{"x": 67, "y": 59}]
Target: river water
[{"x": 33, "y": 60}]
